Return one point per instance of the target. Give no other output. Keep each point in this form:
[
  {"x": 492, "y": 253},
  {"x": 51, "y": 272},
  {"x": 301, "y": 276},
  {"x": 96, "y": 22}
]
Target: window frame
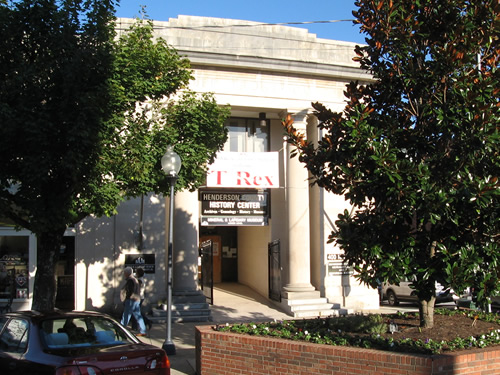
[{"x": 250, "y": 127}]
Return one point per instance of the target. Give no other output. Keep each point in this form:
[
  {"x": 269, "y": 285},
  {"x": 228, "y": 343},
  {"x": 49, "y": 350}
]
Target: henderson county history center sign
[
  {"x": 242, "y": 178},
  {"x": 232, "y": 208}
]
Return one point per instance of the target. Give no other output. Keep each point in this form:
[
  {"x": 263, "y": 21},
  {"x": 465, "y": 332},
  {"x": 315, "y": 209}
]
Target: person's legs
[
  {"x": 136, "y": 312},
  {"x": 127, "y": 312},
  {"x": 147, "y": 322}
]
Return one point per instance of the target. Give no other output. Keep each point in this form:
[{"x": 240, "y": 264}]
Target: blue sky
[{"x": 268, "y": 11}]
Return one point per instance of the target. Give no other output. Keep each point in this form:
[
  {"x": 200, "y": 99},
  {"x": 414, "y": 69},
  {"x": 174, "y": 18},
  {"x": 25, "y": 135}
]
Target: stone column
[
  {"x": 297, "y": 202},
  {"x": 185, "y": 244}
]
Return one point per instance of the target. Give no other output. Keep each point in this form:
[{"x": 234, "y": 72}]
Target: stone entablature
[{"x": 252, "y": 45}]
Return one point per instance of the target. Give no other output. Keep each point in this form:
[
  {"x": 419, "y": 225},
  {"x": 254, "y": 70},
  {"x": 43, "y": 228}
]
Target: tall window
[{"x": 246, "y": 135}]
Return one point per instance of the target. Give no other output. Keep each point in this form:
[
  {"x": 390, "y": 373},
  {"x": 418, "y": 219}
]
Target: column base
[{"x": 305, "y": 287}]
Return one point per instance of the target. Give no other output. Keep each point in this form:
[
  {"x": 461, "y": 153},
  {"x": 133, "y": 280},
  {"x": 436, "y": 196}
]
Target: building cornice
[{"x": 289, "y": 67}]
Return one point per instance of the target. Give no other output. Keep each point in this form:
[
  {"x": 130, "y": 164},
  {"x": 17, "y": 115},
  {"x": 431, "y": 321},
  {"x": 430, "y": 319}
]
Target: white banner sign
[{"x": 259, "y": 170}]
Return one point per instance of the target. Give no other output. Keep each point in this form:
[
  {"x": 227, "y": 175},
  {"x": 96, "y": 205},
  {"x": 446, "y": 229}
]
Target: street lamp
[{"x": 171, "y": 165}]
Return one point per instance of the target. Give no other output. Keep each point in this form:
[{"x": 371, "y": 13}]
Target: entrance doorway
[
  {"x": 65, "y": 272},
  {"x": 225, "y": 252}
]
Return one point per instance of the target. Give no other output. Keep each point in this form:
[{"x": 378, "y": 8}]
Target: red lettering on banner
[
  {"x": 245, "y": 178},
  {"x": 219, "y": 177}
]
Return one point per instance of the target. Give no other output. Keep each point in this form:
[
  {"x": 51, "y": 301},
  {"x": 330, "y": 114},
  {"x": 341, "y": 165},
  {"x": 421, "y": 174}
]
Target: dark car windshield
[{"x": 84, "y": 331}]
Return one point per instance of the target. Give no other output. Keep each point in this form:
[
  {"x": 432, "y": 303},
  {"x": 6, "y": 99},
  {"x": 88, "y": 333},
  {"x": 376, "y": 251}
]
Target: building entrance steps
[
  {"x": 233, "y": 302},
  {"x": 309, "y": 305},
  {"x": 183, "y": 312},
  {"x": 310, "y": 308}
]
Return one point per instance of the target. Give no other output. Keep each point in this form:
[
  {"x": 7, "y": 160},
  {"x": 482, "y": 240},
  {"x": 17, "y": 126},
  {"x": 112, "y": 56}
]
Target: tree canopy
[
  {"x": 86, "y": 116},
  {"x": 416, "y": 151}
]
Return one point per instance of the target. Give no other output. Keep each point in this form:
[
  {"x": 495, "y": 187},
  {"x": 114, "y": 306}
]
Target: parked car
[
  {"x": 470, "y": 296},
  {"x": 495, "y": 302},
  {"x": 403, "y": 292},
  {"x": 74, "y": 343}
]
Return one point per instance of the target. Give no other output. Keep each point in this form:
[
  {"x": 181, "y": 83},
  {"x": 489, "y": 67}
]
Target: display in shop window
[{"x": 14, "y": 267}]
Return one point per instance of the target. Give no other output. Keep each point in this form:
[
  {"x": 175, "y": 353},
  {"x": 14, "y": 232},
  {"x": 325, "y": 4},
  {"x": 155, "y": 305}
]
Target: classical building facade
[{"x": 256, "y": 195}]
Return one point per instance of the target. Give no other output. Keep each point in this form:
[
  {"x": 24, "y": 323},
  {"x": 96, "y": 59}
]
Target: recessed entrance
[
  {"x": 225, "y": 240},
  {"x": 65, "y": 272}
]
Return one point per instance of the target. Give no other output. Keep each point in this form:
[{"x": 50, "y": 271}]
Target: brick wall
[{"x": 221, "y": 353}]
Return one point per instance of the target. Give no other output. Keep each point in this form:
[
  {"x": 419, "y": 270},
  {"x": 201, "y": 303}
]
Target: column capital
[{"x": 300, "y": 117}]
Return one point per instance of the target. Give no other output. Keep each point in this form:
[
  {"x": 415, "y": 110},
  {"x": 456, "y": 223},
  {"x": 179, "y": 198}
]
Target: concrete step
[
  {"x": 193, "y": 312},
  {"x": 190, "y": 306},
  {"x": 312, "y": 301},
  {"x": 315, "y": 306},
  {"x": 309, "y": 307},
  {"x": 185, "y": 306},
  {"x": 315, "y": 313},
  {"x": 301, "y": 295},
  {"x": 183, "y": 319},
  {"x": 177, "y": 312}
]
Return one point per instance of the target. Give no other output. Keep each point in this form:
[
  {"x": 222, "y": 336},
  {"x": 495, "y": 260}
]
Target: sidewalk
[{"x": 232, "y": 303}]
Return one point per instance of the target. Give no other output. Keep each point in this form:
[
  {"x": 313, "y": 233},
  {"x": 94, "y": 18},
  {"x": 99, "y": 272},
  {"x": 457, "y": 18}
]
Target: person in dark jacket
[{"x": 131, "y": 301}]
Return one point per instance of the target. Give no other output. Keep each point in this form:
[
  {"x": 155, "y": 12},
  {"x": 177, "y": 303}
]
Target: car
[
  {"x": 495, "y": 303},
  {"x": 403, "y": 292},
  {"x": 74, "y": 343},
  {"x": 469, "y": 299}
]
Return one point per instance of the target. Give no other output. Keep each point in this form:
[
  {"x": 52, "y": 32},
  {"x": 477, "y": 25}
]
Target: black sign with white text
[
  {"x": 230, "y": 208},
  {"x": 145, "y": 261}
]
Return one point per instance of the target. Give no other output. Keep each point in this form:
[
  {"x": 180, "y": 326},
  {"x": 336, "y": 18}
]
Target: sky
[{"x": 266, "y": 11}]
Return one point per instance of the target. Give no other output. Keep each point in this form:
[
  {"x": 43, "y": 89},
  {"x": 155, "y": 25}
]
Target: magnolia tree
[
  {"x": 416, "y": 151},
  {"x": 85, "y": 118}
]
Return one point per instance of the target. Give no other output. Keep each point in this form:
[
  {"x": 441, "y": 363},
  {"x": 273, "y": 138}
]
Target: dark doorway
[
  {"x": 65, "y": 272},
  {"x": 207, "y": 274},
  {"x": 274, "y": 270},
  {"x": 225, "y": 252}
]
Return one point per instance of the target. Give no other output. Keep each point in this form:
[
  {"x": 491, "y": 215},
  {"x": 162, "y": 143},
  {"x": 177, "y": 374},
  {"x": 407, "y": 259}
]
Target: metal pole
[{"x": 169, "y": 345}]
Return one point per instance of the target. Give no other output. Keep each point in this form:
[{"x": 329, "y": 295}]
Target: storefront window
[{"x": 14, "y": 257}]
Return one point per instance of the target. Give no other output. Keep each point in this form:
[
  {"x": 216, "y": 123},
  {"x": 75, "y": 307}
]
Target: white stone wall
[
  {"x": 272, "y": 69},
  {"x": 101, "y": 246}
]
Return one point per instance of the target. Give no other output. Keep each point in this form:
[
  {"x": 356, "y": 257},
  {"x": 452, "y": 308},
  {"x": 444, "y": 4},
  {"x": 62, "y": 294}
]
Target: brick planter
[{"x": 223, "y": 353}]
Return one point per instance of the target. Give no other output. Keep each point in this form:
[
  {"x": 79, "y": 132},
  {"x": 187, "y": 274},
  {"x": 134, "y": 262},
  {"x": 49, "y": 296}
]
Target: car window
[
  {"x": 14, "y": 337},
  {"x": 3, "y": 320},
  {"x": 82, "y": 331}
]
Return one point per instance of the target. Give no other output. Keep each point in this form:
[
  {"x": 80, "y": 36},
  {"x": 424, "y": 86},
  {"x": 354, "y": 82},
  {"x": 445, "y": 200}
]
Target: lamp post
[{"x": 170, "y": 164}]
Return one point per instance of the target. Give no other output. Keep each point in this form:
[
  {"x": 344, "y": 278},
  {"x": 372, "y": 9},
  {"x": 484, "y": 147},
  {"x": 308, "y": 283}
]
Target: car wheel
[{"x": 392, "y": 299}]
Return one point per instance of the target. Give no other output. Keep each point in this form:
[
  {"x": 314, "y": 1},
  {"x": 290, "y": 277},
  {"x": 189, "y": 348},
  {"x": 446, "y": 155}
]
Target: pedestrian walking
[{"x": 130, "y": 294}]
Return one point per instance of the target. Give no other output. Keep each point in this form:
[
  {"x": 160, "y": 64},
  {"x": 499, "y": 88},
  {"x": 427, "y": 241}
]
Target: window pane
[
  {"x": 82, "y": 331},
  {"x": 2, "y": 322},
  {"x": 246, "y": 135},
  {"x": 236, "y": 137},
  {"x": 260, "y": 140},
  {"x": 14, "y": 337}
]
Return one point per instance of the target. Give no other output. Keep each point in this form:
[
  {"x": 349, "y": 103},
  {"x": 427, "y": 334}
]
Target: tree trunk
[
  {"x": 44, "y": 291},
  {"x": 426, "y": 310}
]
